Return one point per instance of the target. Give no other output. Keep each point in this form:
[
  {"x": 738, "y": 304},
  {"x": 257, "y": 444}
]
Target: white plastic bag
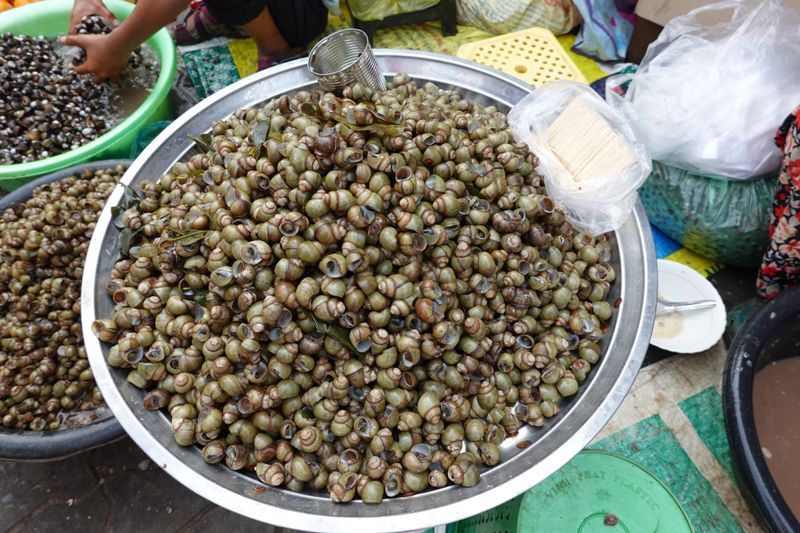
[
  {"x": 594, "y": 206},
  {"x": 708, "y": 98}
]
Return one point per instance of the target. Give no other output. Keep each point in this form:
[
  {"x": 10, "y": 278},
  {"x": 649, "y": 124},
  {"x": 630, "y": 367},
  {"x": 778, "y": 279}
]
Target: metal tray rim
[{"x": 444, "y": 505}]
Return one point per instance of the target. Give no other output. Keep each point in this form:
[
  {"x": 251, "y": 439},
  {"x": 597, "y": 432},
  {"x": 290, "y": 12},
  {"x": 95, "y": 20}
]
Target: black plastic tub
[
  {"x": 21, "y": 445},
  {"x": 772, "y": 334}
]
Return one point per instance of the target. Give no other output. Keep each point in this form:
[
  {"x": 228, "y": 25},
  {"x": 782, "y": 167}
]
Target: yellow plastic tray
[{"x": 533, "y": 55}]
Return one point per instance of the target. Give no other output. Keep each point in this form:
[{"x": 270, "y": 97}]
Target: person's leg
[
  {"x": 235, "y": 12},
  {"x": 198, "y": 24},
  {"x": 299, "y": 21},
  {"x": 279, "y": 27},
  {"x": 780, "y": 267},
  {"x": 284, "y": 28},
  {"x": 266, "y": 34}
]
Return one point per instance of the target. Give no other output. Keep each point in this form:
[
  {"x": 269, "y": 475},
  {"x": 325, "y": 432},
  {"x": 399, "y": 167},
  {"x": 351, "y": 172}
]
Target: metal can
[{"x": 343, "y": 58}]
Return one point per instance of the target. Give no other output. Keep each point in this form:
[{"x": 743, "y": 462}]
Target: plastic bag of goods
[
  {"x": 380, "y": 9},
  {"x": 708, "y": 96},
  {"x": 725, "y": 220},
  {"x": 606, "y": 29},
  {"x": 588, "y": 155},
  {"x": 558, "y": 16}
]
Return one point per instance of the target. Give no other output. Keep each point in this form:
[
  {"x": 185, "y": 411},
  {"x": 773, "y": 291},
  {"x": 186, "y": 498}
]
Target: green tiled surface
[{"x": 704, "y": 411}]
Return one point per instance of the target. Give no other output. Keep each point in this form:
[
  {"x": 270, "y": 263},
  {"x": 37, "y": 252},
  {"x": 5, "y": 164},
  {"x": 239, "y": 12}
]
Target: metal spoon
[{"x": 665, "y": 306}]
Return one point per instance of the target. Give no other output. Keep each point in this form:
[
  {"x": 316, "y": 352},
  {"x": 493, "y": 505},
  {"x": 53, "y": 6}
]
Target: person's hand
[
  {"x": 104, "y": 57},
  {"x": 88, "y": 7}
]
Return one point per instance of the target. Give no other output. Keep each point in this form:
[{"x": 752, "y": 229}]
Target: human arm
[{"x": 107, "y": 55}]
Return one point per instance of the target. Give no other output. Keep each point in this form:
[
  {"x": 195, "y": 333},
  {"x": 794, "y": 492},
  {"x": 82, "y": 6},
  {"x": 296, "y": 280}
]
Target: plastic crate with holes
[{"x": 533, "y": 55}]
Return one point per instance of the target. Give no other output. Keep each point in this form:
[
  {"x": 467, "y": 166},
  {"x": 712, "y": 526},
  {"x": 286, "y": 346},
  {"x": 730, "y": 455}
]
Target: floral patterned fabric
[{"x": 780, "y": 267}]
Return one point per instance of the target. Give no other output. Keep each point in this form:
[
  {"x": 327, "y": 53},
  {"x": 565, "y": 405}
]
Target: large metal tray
[{"x": 560, "y": 439}]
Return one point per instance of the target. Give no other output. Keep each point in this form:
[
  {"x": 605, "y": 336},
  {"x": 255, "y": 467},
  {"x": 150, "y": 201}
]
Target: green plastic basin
[{"x": 51, "y": 18}]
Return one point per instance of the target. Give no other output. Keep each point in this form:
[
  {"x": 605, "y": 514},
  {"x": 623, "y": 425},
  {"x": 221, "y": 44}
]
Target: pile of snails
[
  {"x": 362, "y": 294},
  {"x": 45, "y": 379},
  {"x": 99, "y": 25},
  {"x": 47, "y": 109}
]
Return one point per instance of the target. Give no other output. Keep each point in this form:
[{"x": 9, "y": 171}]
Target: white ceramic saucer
[{"x": 687, "y": 331}]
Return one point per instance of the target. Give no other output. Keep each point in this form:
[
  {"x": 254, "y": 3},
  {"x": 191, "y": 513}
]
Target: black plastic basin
[{"x": 773, "y": 333}]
